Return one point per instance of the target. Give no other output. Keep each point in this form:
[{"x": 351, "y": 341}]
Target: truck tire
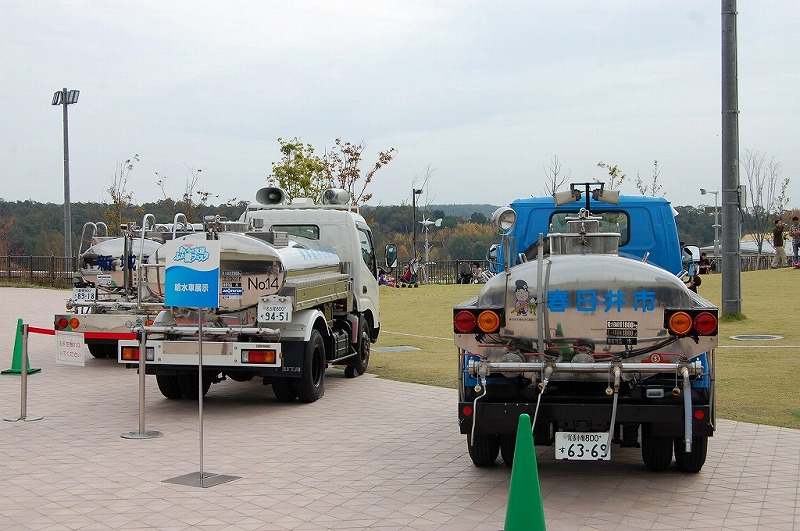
[
  {"x": 169, "y": 386},
  {"x": 508, "y": 443},
  {"x": 656, "y": 450},
  {"x": 284, "y": 389},
  {"x": 188, "y": 385},
  {"x": 311, "y": 385},
  {"x": 99, "y": 350},
  {"x": 362, "y": 359},
  {"x": 483, "y": 449},
  {"x": 691, "y": 461}
]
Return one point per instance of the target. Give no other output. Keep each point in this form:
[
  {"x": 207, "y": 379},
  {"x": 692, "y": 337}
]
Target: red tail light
[
  {"x": 130, "y": 353},
  {"x": 259, "y": 356},
  {"x": 705, "y": 323},
  {"x": 464, "y": 322}
]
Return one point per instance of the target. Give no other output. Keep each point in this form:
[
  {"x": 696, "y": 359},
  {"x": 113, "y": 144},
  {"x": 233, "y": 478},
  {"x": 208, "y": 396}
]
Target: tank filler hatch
[{"x": 583, "y": 234}]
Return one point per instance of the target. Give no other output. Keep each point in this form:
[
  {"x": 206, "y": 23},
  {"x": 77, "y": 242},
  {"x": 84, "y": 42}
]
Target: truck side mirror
[
  {"x": 491, "y": 253},
  {"x": 491, "y": 257},
  {"x": 391, "y": 256}
]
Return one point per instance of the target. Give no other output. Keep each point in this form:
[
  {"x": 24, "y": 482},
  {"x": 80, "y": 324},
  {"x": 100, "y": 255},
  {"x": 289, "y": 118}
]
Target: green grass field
[{"x": 755, "y": 379}]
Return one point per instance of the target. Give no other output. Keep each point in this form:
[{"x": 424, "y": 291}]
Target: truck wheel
[
  {"x": 284, "y": 389},
  {"x": 311, "y": 385},
  {"x": 656, "y": 450},
  {"x": 102, "y": 351},
  {"x": 169, "y": 386},
  {"x": 483, "y": 449},
  {"x": 188, "y": 385},
  {"x": 691, "y": 461},
  {"x": 362, "y": 360},
  {"x": 508, "y": 443}
]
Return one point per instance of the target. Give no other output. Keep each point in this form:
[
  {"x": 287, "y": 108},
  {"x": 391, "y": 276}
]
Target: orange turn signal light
[
  {"x": 680, "y": 323},
  {"x": 488, "y": 321}
]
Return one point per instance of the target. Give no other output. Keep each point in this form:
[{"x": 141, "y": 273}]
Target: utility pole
[{"x": 731, "y": 267}]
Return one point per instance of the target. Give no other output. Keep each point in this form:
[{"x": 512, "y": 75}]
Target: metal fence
[
  {"x": 749, "y": 262},
  {"x": 54, "y": 271},
  {"x": 439, "y": 272}
]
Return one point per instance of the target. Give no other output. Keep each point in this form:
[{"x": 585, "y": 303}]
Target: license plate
[
  {"x": 274, "y": 310},
  {"x": 582, "y": 446},
  {"x": 84, "y": 294}
]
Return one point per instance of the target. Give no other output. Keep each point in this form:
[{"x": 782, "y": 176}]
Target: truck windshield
[
  {"x": 306, "y": 231},
  {"x": 610, "y": 221}
]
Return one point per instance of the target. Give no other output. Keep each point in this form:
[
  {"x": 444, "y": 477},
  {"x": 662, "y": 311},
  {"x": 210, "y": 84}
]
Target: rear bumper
[{"x": 503, "y": 417}]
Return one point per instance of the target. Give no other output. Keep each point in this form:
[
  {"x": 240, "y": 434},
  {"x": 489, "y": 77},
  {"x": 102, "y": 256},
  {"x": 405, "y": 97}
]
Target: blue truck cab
[{"x": 646, "y": 226}]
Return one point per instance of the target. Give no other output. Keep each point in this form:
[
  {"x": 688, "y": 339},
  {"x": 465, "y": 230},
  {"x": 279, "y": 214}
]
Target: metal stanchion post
[
  {"x": 142, "y": 433},
  {"x": 23, "y": 383},
  {"x": 201, "y": 479}
]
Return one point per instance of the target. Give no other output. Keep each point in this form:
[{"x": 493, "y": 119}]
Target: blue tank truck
[{"x": 589, "y": 330}]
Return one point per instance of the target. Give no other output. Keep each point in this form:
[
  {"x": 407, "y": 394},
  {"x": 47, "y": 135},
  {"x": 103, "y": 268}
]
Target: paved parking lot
[{"x": 372, "y": 454}]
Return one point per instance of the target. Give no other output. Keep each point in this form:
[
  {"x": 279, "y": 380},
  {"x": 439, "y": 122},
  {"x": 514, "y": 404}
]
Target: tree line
[{"x": 33, "y": 228}]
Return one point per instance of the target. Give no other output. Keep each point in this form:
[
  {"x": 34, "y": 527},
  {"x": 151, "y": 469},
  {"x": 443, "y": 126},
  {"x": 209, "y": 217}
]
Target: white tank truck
[
  {"x": 298, "y": 292},
  {"x": 105, "y": 301},
  {"x": 598, "y": 348}
]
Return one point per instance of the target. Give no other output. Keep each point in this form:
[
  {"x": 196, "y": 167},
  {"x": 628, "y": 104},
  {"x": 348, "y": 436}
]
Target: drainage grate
[{"x": 756, "y": 337}]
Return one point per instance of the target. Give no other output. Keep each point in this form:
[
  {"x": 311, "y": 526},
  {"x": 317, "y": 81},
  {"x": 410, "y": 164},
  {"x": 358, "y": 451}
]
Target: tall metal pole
[
  {"x": 414, "y": 224},
  {"x": 731, "y": 266},
  {"x": 414, "y": 193},
  {"x": 67, "y": 213},
  {"x": 716, "y": 224}
]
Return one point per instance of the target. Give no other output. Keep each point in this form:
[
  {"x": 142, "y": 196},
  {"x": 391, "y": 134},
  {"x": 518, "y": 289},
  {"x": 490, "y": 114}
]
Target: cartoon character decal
[{"x": 524, "y": 304}]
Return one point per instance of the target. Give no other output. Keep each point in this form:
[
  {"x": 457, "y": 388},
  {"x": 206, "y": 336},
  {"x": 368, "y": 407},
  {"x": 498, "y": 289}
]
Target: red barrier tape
[
  {"x": 34, "y": 330},
  {"x": 109, "y": 335},
  {"x": 87, "y": 335}
]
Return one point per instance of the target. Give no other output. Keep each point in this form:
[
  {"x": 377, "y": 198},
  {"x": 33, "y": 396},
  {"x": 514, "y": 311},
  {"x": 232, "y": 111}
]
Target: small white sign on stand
[{"x": 70, "y": 349}]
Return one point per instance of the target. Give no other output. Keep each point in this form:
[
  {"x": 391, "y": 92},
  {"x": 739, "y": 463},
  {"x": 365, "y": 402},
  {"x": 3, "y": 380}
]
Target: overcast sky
[{"x": 483, "y": 94}]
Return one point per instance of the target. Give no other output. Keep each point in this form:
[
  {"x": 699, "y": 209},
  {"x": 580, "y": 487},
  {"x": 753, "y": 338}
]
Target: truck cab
[
  {"x": 646, "y": 226},
  {"x": 342, "y": 231}
]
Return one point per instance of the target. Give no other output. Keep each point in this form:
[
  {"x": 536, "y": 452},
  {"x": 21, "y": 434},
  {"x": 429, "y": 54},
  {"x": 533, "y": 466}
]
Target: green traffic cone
[
  {"x": 525, "y": 510},
  {"x": 16, "y": 360}
]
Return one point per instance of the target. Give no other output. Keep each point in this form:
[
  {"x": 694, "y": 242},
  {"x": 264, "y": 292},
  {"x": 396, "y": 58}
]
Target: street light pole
[
  {"x": 414, "y": 193},
  {"x": 427, "y": 223},
  {"x": 703, "y": 191},
  {"x": 66, "y": 97}
]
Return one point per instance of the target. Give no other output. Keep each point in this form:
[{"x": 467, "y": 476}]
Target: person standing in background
[
  {"x": 794, "y": 234},
  {"x": 777, "y": 242}
]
